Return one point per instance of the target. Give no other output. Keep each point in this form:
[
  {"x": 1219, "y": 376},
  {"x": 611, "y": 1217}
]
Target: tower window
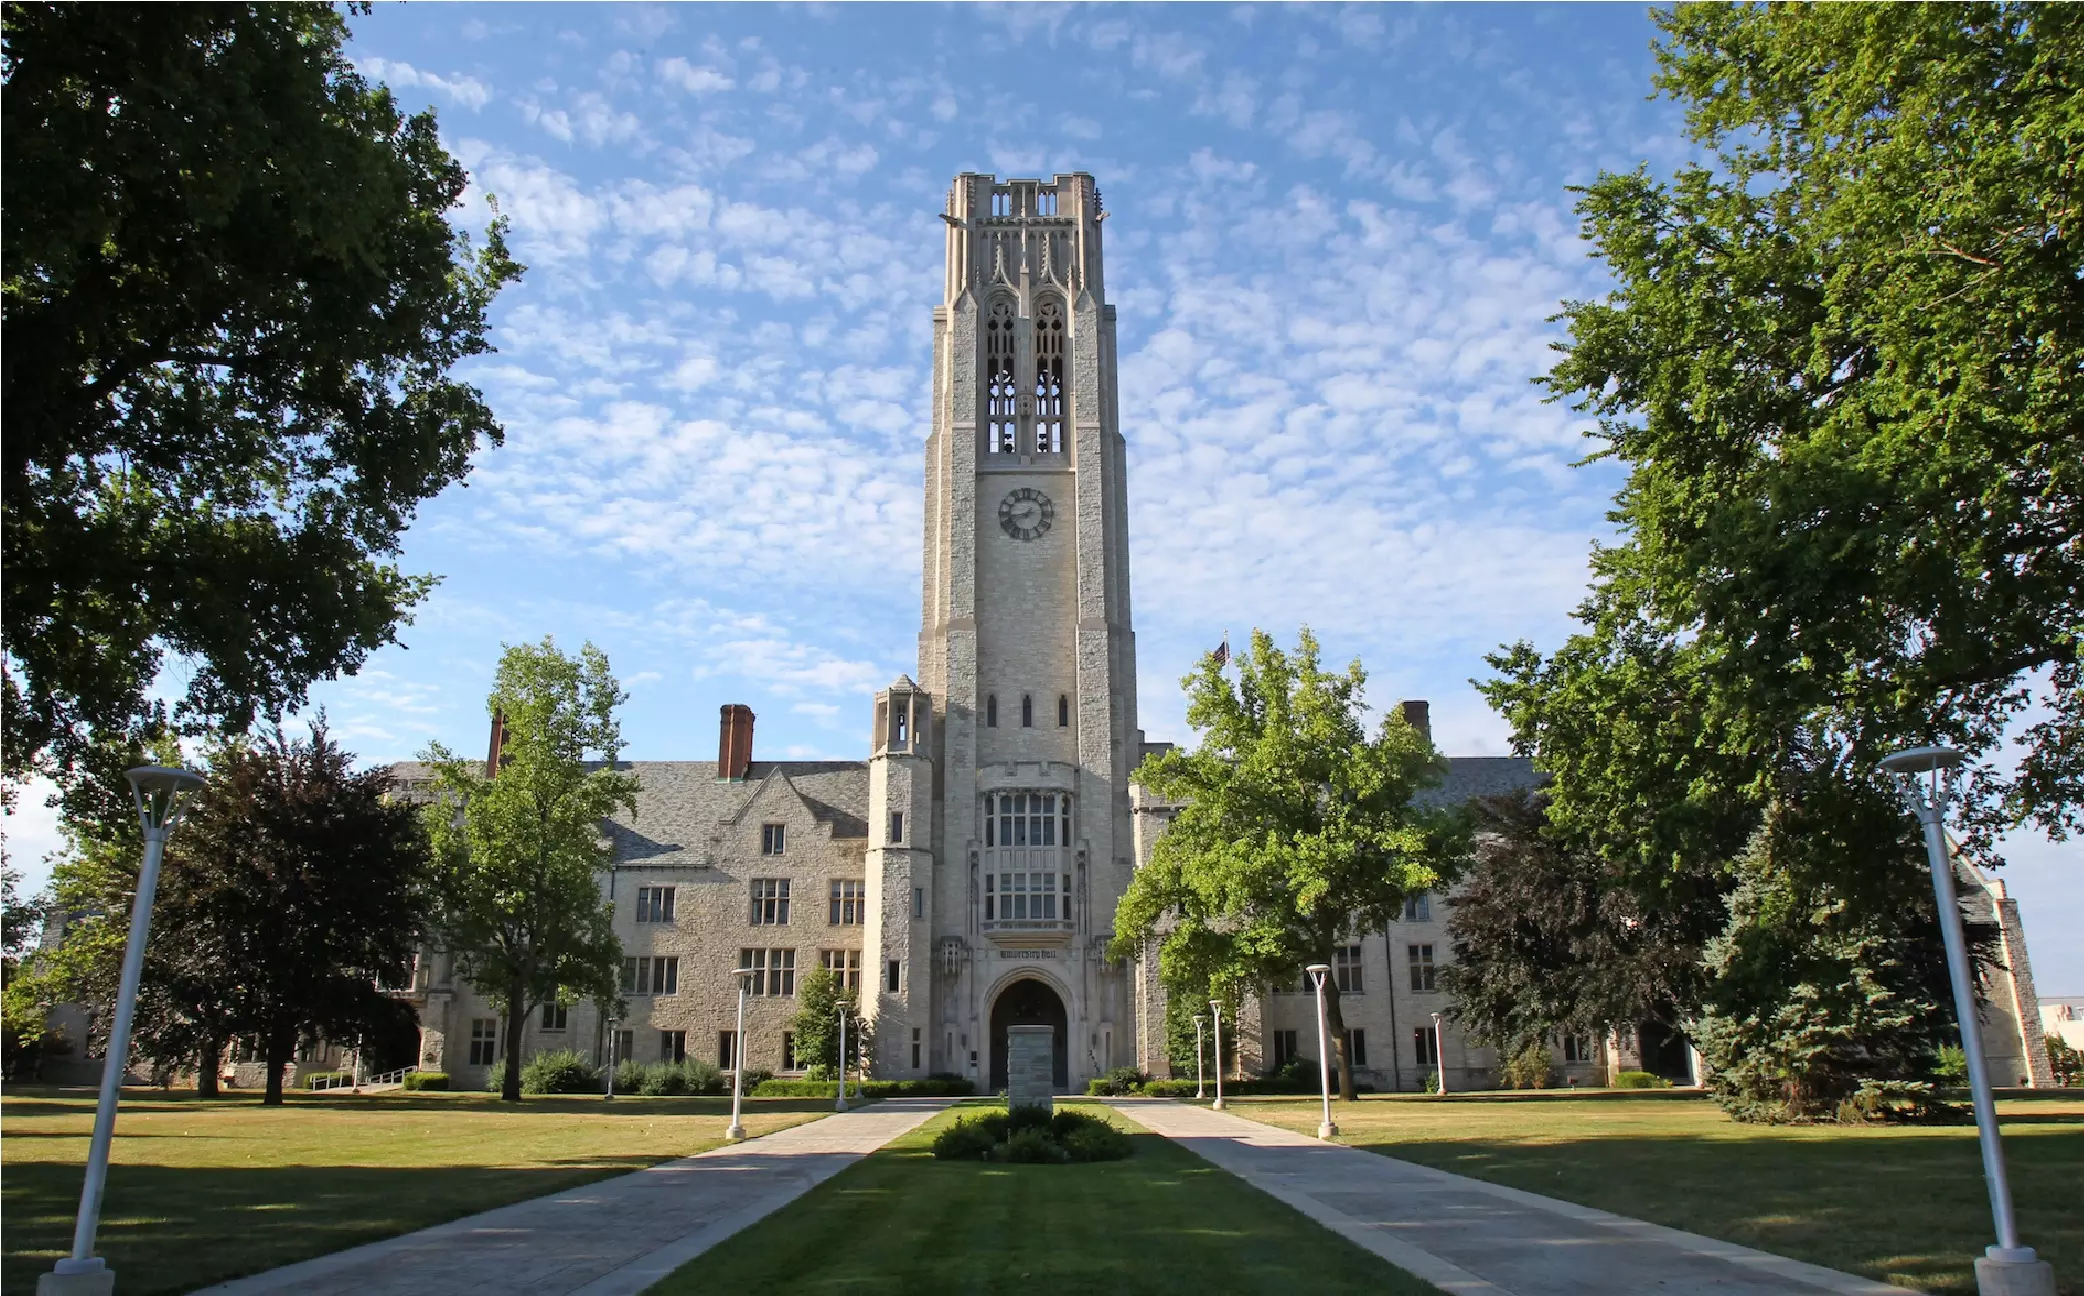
[
  {"x": 1001, "y": 415},
  {"x": 1063, "y": 711},
  {"x": 1045, "y": 202},
  {"x": 991, "y": 711},
  {"x": 1002, "y": 202},
  {"x": 1049, "y": 378},
  {"x": 1027, "y": 710}
]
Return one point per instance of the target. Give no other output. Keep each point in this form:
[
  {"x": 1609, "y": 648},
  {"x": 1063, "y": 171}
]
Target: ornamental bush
[
  {"x": 1032, "y": 1136},
  {"x": 560, "y": 1071},
  {"x": 1639, "y": 1080},
  {"x": 1529, "y": 1068},
  {"x": 433, "y": 1080}
]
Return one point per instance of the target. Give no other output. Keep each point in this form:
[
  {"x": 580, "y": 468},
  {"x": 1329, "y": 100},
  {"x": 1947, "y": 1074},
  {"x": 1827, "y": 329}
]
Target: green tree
[
  {"x": 1295, "y": 829},
  {"x": 820, "y": 1000},
  {"x": 230, "y": 303},
  {"x": 517, "y": 848}
]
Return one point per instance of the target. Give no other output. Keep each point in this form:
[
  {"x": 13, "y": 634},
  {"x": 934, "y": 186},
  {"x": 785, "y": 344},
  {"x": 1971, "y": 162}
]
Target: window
[
  {"x": 1049, "y": 378},
  {"x": 1284, "y": 1048},
  {"x": 654, "y": 904},
  {"x": 1418, "y": 908},
  {"x": 774, "y": 970},
  {"x": 844, "y": 964},
  {"x": 1345, "y": 969},
  {"x": 726, "y": 1055},
  {"x": 1063, "y": 711},
  {"x": 672, "y": 1046},
  {"x": 1002, "y": 202},
  {"x": 849, "y": 904},
  {"x": 894, "y": 978},
  {"x": 1026, "y": 819},
  {"x": 897, "y": 827},
  {"x": 1025, "y": 897},
  {"x": 915, "y": 1048},
  {"x": 773, "y": 838},
  {"x": 1425, "y": 1046},
  {"x": 1357, "y": 1048},
  {"x": 648, "y": 976},
  {"x": 1576, "y": 1048},
  {"x": 555, "y": 1016},
  {"x": 623, "y": 1046},
  {"x": 1027, "y": 710},
  {"x": 484, "y": 1041},
  {"x": 918, "y": 902},
  {"x": 1001, "y": 390},
  {"x": 1045, "y": 202},
  {"x": 1422, "y": 970},
  {"x": 770, "y": 900}
]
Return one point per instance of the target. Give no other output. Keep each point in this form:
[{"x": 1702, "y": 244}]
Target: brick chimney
[
  {"x": 1419, "y": 715},
  {"x": 499, "y": 742},
  {"x": 734, "y": 741}
]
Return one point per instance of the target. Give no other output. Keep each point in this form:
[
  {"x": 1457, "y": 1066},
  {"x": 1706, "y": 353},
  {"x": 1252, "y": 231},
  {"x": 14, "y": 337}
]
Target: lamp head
[
  {"x": 1318, "y": 970},
  {"x": 162, "y": 795},
  {"x": 1215, "y": 1007},
  {"x": 1918, "y": 760}
]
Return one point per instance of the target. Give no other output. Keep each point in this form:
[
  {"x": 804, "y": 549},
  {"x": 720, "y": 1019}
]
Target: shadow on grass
[{"x": 172, "y": 1229}]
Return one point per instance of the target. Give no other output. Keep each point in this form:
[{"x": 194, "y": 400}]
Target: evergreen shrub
[
  {"x": 1033, "y": 1136},
  {"x": 559, "y": 1071},
  {"x": 431, "y": 1080},
  {"x": 1639, "y": 1080}
]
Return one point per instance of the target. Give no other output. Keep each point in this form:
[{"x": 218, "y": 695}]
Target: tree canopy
[
  {"x": 1295, "y": 830},
  {"x": 820, "y": 1002},
  {"x": 517, "y": 847},
  {"x": 231, "y": 301}
]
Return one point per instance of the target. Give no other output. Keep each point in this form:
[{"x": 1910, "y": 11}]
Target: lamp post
[
  {"x": 1440, "y": 1053},
  {"x": 1215, "y": 1012},
  {"x": 1325, "y": 1129},
  {"x": 2007, "y": 1269},
  {"x": 1197, "y": 1058},
  {"x": 612, "y": 1059},
  {"x": 162, "y": 797},
  {"x": 745, "y": 984},
  {"x": 840, "y": 1104}
]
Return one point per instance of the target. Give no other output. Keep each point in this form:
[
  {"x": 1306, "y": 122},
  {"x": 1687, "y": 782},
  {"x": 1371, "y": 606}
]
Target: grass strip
[
  {"x": 199, "y": 1192},
  {"x": 1903, "y": 1205},
  {"x": 1162, "y": 1221}
]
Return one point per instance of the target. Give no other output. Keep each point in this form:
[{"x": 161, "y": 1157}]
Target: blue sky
[{"x": 1336, "y": 237}]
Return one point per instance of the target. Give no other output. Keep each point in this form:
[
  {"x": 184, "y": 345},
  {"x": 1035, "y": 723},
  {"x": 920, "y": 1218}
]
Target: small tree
[
  {"x": 820, "y": 1000},
  {"x": 1297, "y": 829},
  {"x": 517, "y": 848}
]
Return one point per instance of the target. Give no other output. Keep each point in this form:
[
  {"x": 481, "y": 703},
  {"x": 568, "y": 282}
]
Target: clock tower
[{"x": 1023, "y": 844}]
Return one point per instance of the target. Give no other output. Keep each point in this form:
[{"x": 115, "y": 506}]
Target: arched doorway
[{"x": 1028, "y": 1002}]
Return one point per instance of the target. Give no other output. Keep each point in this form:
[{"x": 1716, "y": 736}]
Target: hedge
[
  {"x": 426, "y": 1080},
  {"x": 1640, "y": 1080},
  {"x": 931, "y": 1087}
]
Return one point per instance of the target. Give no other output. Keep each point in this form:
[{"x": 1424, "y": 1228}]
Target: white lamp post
[
  {"x": 612, "y": 1059},
  {"x": 2007, "y": 1269},
  {"x": 840, "y": 1104},
  {"x": 1319, "y": 971},
  {"x": 1215, "y": 1012},
  {"x": 736, "y": 1129},
  {"x": 1197, "y": 1058},
  {"x": 1440, "y": 1053},
  {"x": 162, "y": 797}
]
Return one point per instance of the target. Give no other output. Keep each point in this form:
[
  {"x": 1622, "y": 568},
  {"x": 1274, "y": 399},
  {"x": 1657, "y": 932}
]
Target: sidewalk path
[
  {"x": 611, "y": 1238},
  {"x": 1465, "y": 1236}
]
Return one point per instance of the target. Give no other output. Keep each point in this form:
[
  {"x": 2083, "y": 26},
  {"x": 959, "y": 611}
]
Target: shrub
[
  {"x": 1639, "y": 1080},
  {"x": 1096, "y": 1141},
  {"x": 1032, "y": 1136},
  {"x": 1030, "y": 1146},
  {"x": 662, "y": 1080},
  {"x": 1950, "y": 1067},
  {"x": 415, "y": 1080},
  {"x": 703, "y": 1077},
  {"x": 560, "y": 1071},
  {"x": 1529, "y": 1068},
  {"x": 965, "y": 1140},
  {"x": 1120, "y": 1082},
  {"x": 496, "y": 1077},
  {"x": 1170, "y": 1089},
  {"x": 328, "y": 1078}
]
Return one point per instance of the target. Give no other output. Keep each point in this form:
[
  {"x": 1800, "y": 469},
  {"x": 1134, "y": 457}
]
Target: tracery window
[
  {"x": 1001, "y": 389},
  {"x": 1049, "y": 378}
]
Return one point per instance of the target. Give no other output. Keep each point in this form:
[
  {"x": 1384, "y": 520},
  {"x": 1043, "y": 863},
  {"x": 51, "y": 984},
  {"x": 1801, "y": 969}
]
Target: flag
[{"x": 1222, "y": 652}]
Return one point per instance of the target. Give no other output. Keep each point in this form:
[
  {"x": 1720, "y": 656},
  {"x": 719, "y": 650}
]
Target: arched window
[
  {"x": 1063, "y": 711},
  {"x": 1049, "y": 377},
  {"x": 1002, "y": 430},
  {"x": 1045, "y": 202},
  {"x": 1027, "y": 710},
  {"x": 1002, "y": 202}
]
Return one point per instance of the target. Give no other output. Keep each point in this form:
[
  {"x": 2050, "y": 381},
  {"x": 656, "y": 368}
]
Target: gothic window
[
  {"x": 1001, "y": 390},
  {"x": 1045, "y": 202},
  {"x": 991, "y": 711},
  {"x": 1063, "y": 711},
  {"x": 1027, "y": 710},
  {"x": 1049, "y": 378},
  {"x": 1002, "y": 202}
]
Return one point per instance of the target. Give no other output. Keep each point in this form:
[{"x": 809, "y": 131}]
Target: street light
[
  {"x": 1440, "y": 1053},
  {"x": 2007, "y": 1269},
  {"x": 841, "y": 1104},
  {"x": 1197, "y": 1058},
  {"x": 745, "y": 985},
  {"x": 162, "y": 797},
  {"x": 1215, "y": 1009},
  {"x": 611, "y": 1057},
  {"x": 1325, "y": 1129}
]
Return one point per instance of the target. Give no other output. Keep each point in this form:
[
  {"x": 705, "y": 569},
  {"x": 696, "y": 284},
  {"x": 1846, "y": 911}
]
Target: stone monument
[{"x": 1029, "y": 1070}]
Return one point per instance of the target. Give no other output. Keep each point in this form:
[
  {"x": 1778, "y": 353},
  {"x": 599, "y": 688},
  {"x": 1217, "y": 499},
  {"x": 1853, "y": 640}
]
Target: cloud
[
  {"x": 468, "y": 91},
  {"x": 694, "y": 79}
]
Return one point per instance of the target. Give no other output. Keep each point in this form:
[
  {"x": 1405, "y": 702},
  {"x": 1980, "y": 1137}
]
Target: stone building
[{"x": 965, "y": 875}]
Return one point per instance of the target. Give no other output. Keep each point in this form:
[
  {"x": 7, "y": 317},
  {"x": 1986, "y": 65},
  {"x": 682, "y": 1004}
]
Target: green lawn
[
  {"x": 1162, "y": 1221},
  {"x": 1903, "y": 1205},
  {"x": 203, "y": 1191}
]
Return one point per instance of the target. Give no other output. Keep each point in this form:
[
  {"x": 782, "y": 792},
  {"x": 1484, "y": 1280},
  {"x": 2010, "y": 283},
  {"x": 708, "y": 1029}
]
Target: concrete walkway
[
  {"x": 611, "y": 1238},
  {"x": 1465, "y": 1236}
]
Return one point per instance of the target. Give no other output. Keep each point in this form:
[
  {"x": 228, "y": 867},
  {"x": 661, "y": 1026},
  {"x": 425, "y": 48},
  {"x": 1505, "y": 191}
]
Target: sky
[{"x": 1337, "y": 239}]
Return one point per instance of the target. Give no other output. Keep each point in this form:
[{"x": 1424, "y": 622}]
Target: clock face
[{"x": 1026, "y": 513}]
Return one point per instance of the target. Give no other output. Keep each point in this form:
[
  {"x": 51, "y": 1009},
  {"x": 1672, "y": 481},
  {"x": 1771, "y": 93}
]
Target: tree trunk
[
  {"x": 1335, "y": 1025},
  {"x": 281, "y": 1047},
  {"x": 517, "y": 1017},
  {"x": 212, "y": 1056}
]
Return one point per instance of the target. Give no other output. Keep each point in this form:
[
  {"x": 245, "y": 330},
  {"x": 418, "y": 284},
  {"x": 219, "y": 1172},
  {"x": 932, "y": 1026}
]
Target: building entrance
[{"x": 1030, "y": 1003}]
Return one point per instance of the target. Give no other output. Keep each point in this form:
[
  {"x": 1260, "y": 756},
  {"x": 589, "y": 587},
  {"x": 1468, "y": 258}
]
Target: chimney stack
[
  {"x": 734, "y": 742},
  {"x": 499, "y": 741},
  {"x": 1419, "y": 715}
]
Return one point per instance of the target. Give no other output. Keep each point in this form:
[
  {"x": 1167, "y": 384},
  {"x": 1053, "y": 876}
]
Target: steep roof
[{"x": 1476, "y": 776}]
